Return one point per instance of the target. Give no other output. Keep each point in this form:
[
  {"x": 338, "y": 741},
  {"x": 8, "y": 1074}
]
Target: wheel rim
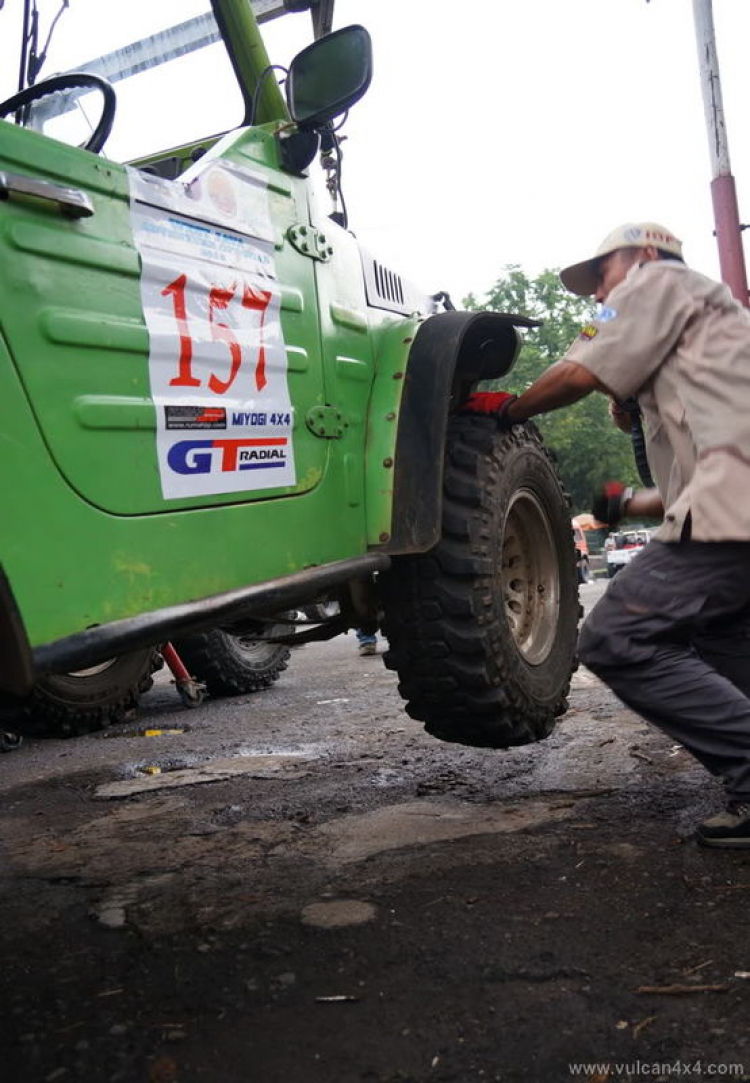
[
  {"x": 530, "y": 577},
  {"x": 92, "y": 671},
  {"x": 254, "y": 650}
]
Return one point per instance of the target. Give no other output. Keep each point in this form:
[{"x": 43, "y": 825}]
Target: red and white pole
[{"x": 723, "y": 191}]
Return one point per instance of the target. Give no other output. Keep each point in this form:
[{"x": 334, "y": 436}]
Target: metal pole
[{"x": 723, "y": 191}]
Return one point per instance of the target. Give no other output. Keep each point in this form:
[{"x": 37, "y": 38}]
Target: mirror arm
[{"x": 297, "y": 148}]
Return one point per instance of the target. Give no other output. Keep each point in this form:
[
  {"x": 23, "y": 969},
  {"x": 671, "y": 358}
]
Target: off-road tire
[
  {"x": 71, "y": 704},
  {"x": 473, "y": 669},
  {"x": 228, "y": 666}
]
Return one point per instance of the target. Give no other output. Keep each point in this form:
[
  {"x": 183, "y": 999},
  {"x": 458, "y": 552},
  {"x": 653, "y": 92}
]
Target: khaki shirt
[{"x": 681, "y": 343}]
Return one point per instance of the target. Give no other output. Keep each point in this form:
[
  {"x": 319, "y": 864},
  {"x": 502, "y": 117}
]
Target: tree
[{"x": 589, "y": 449}]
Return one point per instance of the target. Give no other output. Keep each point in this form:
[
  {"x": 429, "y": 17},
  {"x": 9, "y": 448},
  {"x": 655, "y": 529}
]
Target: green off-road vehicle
[{"x": 218, "y": 409}]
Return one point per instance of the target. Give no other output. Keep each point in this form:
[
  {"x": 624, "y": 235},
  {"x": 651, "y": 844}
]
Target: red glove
[
  {"x": 490, "y": 402},
  {"x": 609, "y": 503}
]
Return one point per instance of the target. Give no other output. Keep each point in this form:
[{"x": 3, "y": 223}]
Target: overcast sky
[
  {"x": 522, "y": 131},
  {"x": 494, "y": 132}
]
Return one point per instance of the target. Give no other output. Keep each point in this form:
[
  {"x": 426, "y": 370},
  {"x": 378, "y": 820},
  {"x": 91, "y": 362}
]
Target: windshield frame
[{"x": 234, "y": 25}]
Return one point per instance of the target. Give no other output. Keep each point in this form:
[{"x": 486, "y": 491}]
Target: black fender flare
[{"x": 451, "y": 352}]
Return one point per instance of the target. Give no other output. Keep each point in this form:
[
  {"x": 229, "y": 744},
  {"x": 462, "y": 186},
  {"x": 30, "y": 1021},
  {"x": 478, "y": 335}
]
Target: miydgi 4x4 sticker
[{"x": 217, "y": 362}]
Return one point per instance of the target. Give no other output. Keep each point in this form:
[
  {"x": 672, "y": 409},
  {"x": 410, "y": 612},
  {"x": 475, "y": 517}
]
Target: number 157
[{"x": 219, "y": 298}]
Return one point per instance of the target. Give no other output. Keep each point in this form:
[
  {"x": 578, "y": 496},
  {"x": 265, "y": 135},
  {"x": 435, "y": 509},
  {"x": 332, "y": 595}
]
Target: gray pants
[{"x": 671, "y": 637}]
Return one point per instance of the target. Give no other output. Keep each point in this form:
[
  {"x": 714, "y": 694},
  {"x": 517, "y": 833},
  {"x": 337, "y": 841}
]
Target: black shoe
[{"x": 730, "y": 828}]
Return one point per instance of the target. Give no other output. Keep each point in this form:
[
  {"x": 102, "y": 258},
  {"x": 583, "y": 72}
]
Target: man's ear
[{"x": 648, "y": 254}]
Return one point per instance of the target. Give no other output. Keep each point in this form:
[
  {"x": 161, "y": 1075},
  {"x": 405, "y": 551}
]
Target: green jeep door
[{"x": 162, "y": 338}]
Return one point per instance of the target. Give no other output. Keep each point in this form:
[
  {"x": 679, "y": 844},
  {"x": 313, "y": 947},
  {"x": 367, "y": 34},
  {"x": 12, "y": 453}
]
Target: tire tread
[
  {"x": 445, "y": 636},
  {"x": 210, "y": 658}
]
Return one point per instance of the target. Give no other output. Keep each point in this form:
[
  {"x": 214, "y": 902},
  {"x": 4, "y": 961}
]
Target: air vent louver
[{"x": 388, "y": 284}]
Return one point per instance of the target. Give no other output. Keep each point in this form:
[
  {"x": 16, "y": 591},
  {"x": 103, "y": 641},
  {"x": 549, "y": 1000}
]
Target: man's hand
[
  {"x": 609, "y": 505},
  {"x": 615, "y": 502},
  {"x": 561, "y": 385},
  {"x": 492, "y": 403}
]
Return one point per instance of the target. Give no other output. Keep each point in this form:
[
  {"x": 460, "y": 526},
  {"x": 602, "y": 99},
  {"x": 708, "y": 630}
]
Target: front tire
[
  {"x": 482, "y": 628},
  {"x": 232, "y": 665}
]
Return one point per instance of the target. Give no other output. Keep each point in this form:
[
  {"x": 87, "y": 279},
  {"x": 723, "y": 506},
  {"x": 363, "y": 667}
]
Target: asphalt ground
[{"x": 312, "y": 889}]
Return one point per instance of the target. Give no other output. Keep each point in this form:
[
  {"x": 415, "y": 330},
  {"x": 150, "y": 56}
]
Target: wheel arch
[
  {"x": 450, "y": 352},
  {"x": 16, "y": 662}
]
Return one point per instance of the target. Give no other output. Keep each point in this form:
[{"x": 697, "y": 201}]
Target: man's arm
[
  {"x": 562, "y": 384},
  {"x": 645, "y": 504}
]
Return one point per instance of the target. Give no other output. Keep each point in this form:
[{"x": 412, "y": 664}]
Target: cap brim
[{"x": 581, "y": 278}]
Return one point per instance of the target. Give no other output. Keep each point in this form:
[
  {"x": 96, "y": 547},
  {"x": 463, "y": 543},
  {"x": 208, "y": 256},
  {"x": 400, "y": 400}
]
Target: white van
[{"x": 622, "y": 546}]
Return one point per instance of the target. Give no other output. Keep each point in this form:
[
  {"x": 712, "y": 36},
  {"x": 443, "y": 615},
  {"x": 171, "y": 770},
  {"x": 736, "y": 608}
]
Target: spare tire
[{"x": 482, "y": 628}]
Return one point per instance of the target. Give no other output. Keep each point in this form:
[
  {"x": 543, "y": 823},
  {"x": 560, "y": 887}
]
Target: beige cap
[{"x": 581, "y": 278}]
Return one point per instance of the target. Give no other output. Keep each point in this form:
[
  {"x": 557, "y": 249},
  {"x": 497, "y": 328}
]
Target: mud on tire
[
  {"x": 482, "y": 628},
  {"x": 229, "y": 665}
]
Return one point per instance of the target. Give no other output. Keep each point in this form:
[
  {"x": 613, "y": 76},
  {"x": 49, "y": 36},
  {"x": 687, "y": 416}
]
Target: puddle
[
  {"x": 307, "y": 752},
  {"x": 149, "y": 731},
  {"x": 387, "y": 777}
]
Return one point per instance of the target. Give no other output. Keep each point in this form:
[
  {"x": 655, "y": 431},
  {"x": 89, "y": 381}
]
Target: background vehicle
[
  {"x": 620, "y": 548},
  {"x": 583, "y": 567},
  {"x": 221, "y": 409}
]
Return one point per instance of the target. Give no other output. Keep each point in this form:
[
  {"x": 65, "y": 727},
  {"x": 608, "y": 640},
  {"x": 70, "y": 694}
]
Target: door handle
[{"x": 72, "y": 202}]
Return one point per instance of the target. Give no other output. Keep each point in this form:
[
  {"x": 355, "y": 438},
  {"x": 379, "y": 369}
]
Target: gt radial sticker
[{"x": 217, "y": 361}]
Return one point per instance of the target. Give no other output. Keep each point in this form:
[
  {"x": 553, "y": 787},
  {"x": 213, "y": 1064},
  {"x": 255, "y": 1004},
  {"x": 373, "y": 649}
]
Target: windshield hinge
[{"x": 310, "y": 242}]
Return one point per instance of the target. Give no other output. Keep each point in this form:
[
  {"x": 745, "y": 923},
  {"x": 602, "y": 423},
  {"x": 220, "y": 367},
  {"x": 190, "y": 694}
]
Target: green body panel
[
  {"x": 72, "y": 565},
  {"x": 71, "y": 315},
  {"x": 86, "y": 536},
  {"x": 366, "y": 347},
  {"x": 392, "y": 344}
]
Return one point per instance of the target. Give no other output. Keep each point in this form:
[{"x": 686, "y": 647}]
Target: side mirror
[{"x": 329, "y": 76}]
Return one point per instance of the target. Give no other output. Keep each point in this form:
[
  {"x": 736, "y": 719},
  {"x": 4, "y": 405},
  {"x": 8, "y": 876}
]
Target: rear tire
[
  {"x": 70, "y": 704},
  {"x": 482, "y": 628},
  {"x": 230, "y": 665}
]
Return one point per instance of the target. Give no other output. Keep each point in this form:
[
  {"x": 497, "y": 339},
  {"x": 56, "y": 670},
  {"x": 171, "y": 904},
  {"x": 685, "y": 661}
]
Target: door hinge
[
  {"x": 327, "y": 422},
  {"x": 310, "y": 242}
]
